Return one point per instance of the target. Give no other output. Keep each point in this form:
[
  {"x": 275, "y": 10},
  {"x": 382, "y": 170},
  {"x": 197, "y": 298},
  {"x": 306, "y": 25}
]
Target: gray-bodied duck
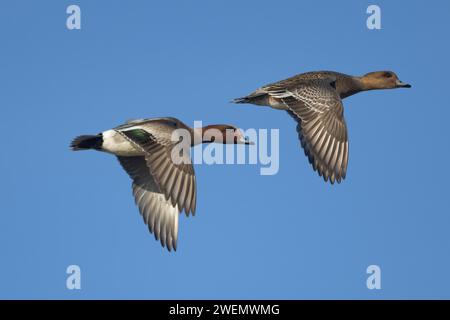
[
  {"x": 162, "y": 187},
  {"x": 314, "y": 100}
]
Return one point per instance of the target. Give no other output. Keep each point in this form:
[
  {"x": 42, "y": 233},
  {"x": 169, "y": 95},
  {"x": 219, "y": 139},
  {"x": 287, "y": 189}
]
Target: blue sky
[{"x": 286, "y": 236}]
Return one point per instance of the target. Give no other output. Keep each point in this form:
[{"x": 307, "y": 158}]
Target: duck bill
[
  {"x": 244, "y": 140},
  {"x": 400, "y": 84}
]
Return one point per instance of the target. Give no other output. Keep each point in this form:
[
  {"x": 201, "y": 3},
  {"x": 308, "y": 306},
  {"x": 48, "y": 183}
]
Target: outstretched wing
[
  {"x": 159, "y": 214},
  {"x": 318, "y": 109},
  {"x": 175, "y": 180}
]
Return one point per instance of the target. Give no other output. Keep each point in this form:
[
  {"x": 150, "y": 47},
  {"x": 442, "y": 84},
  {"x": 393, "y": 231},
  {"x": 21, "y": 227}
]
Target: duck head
[
  {"x": 382, "y": 80},
  {"x": 223, "y": 133}
]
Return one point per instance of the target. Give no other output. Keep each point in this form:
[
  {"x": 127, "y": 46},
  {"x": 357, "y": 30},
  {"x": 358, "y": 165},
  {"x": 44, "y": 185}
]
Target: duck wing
[
  {"x": 175, "y": 180},
  {"x": 319, "y": 112},
  {"x": 160, "y": 215}
]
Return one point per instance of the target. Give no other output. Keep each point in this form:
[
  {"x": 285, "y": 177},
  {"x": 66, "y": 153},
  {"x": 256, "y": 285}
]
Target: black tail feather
[{"x": 87, "y": 142}]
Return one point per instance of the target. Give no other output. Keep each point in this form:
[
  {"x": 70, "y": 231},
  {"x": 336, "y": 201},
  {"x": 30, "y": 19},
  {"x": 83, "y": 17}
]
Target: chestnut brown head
[{"x": 382, "y": 80}]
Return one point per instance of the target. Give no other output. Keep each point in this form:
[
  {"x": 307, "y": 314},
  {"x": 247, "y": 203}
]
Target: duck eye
[{"x": 388, "y": 75}]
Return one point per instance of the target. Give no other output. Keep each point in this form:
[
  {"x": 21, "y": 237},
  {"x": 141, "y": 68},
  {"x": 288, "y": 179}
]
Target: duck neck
[
  {"x": 208, "y": 134},
  {"x": 349, "y": 86},
  {"x": 371, "y": 84}
]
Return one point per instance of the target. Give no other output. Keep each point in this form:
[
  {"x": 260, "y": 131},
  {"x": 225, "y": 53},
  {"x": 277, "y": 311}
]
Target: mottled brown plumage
[{"x": 314, "y": 100}]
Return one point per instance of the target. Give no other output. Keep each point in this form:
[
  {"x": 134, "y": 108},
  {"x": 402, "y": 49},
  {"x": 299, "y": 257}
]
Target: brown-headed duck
[
  {"x": 162, "y": 188},
  {"x": 314, "y": 100}
]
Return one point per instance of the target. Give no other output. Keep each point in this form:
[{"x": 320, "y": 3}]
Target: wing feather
[{"x": 318, "y": 110}]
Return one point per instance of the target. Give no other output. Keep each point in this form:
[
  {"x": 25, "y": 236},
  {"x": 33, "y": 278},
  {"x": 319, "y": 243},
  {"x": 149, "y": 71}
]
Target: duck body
[
  {"x": 115, "y": 141},
  {"x": 162, "y": 186},
  {"x": 314, "y": 100}
]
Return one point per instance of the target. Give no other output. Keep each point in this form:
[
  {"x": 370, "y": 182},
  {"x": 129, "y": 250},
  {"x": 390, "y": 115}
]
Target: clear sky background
[{"x": 284, "y": 236}]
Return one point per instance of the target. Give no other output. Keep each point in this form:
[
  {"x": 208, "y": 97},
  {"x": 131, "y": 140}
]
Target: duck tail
[
  {"x": 241, "y": 100},
  {"x": 87, "y": 142},
  {"x": 259, "y": 97}
]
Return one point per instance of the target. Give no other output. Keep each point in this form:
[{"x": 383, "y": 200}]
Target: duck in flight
[
  {"x": 162, "y": 187},
  {"x": 314, "y": 100}
]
